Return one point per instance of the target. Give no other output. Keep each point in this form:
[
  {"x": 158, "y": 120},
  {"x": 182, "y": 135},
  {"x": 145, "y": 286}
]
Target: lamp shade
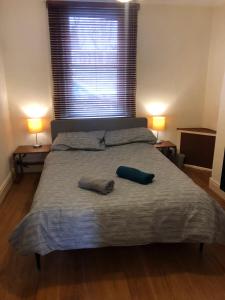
[
  {"x": 158, "y": 123},
  {"x": 35, "y": 125}
]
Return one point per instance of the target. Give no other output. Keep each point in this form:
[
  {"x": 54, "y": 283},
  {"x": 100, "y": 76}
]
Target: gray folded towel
[{"x": 101, "y": 186}]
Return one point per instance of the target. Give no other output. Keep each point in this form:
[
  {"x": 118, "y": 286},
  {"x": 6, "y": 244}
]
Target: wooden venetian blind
[{"x": 93, "y": 49}]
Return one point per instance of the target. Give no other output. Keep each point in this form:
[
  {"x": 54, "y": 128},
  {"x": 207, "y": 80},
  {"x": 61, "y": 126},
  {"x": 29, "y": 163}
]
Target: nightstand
[
  {"x": 168, "y": 149},
  {"x": 25, "y": 156}
]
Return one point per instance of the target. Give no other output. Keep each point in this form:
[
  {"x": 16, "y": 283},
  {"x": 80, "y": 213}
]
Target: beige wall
[
  {"x": 24, "y": 26},
  {"x": 220, "y": 139},
  {"x": 216, "y": 66},
  {"x": 216, "y": 87},
  {"x": 173, "y": 46},
  {"x": 5, "y": 133}
]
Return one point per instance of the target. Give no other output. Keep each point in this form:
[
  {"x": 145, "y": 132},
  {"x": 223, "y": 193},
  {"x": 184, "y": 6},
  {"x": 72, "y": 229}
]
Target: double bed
[{"x": 63, "y": 217}]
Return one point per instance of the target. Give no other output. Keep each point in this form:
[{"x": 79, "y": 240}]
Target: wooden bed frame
[{"x": 38, "y": 256}]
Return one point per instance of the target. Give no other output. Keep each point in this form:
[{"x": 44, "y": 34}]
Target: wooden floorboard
[{"x": 154, "y": 272}]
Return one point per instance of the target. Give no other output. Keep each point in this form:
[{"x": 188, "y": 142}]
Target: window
[{"x": 93, "y": 47}]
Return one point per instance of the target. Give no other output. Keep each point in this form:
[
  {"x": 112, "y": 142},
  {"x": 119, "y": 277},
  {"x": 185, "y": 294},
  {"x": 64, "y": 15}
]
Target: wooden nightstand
[
  {"x": 20, "y": 158},
  {"x": 168, "y": 149}
]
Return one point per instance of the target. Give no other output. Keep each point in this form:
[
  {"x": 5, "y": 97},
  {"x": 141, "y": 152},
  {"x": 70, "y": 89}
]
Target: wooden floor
[{"x": 152, "y": 272}]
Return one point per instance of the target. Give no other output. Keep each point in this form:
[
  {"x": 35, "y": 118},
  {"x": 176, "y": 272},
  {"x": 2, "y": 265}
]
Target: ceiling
[{"x": 187, "y": 2}]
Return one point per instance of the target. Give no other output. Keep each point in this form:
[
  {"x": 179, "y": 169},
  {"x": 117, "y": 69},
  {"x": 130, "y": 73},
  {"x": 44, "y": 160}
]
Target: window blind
[{"x": 93, "y": 50}]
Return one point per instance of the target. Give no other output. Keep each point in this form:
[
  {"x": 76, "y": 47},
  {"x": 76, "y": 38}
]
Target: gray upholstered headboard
[{"x": 58, "y": 126}]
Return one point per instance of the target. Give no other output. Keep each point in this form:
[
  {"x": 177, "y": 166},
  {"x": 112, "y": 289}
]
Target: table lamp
[
  {"x": 158, "y": 124},
  {"x": 35, "y": 126}
]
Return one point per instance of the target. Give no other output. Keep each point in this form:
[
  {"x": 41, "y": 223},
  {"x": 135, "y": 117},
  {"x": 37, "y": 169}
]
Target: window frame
[{"x": 59, "y": 69}]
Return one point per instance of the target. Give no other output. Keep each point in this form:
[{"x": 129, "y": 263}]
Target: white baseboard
[
  {"x": 197, "y": 167},
  {"x": 215, "y": 186},
  {"x": 5, "y": 186}
]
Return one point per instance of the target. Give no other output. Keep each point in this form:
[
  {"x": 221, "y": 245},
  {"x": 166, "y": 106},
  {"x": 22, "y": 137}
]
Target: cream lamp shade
[
  {"x": 35, "y": 126},
  {"x": 158, "y": 123}
]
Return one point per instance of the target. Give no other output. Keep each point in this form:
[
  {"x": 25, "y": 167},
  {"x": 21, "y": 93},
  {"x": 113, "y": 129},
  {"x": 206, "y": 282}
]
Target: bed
[{"x": 63, "y": 217}]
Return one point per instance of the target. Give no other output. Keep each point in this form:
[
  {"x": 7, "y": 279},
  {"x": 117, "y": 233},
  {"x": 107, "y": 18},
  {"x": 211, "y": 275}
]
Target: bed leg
[
  {"x": 38, "y": 261},
  {"x": 201, "y": 247}
]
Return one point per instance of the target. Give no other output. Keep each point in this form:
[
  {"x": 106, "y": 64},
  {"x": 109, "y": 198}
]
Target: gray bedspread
[{"x": 63, "y": 216}]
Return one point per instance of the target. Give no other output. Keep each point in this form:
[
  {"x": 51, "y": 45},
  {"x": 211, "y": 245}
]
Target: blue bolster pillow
[{"x": 134, "y": 175}]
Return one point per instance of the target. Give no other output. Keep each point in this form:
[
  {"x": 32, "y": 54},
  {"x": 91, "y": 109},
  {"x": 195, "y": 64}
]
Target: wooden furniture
[
  {"x": 197, "y": 144},
  {"x": 21, "y": 159},
  {"x": 168, "y": 149}
]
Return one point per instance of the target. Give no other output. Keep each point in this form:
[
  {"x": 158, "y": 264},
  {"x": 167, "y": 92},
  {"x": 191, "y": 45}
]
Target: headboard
[{"x": 58, "y": 126}]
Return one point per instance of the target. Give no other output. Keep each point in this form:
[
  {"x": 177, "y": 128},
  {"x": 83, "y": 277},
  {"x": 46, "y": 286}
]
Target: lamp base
[
  {"x": 37, "y": 146},
  {"x": 158, "y": 142}
]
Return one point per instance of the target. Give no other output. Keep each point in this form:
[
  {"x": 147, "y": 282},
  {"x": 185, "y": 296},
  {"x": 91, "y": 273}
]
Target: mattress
[{"x": 63, "y": 216}]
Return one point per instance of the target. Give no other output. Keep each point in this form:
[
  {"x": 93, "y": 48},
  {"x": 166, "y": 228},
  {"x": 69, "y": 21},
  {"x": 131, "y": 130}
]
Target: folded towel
[
  {"x": 134, "y": 175},
  {"x": 101, "y": 186}
]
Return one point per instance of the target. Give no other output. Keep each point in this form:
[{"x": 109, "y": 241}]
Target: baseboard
[
  {"x": 4, "y": 188},
  {"x": 215, "y": 186},
  {"x": 197, "y": 167}
]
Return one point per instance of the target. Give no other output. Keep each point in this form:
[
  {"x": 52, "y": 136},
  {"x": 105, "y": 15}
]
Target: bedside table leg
[
  {"x": 38, "y": 261},
  {"x": 201, "y": 247},
  {"x": 18, "y": 167},
  {"x": 175, "y": 151},
  {"x": 21, "y": 164}
]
